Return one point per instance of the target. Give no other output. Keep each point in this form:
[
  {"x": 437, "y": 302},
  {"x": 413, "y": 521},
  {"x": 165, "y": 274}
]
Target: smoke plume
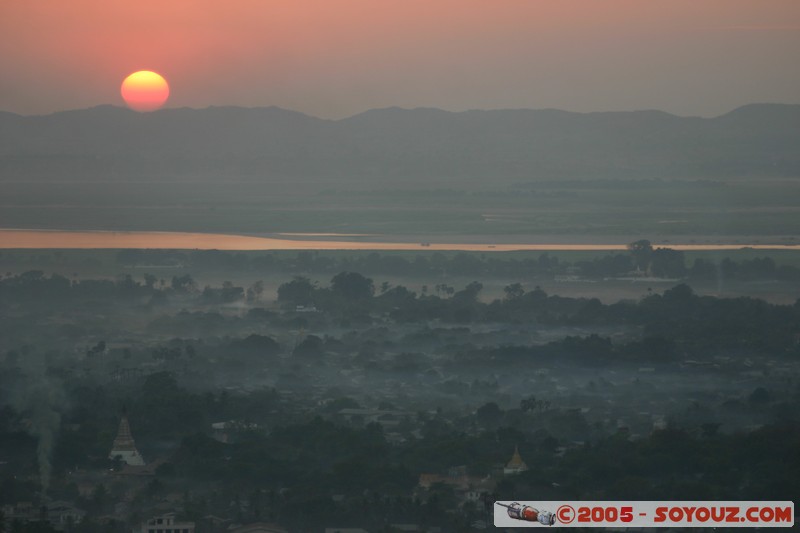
[
  {"x": 45, "y": 421},
  {"x": 38, "y": 398}
]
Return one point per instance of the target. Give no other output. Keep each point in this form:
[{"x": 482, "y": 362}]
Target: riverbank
[{"x": 54, "y": 239}]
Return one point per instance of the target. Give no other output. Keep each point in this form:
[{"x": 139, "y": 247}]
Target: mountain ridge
[
  {"x": 754, "y": 105},
  {"x": 419, "y": 143}
]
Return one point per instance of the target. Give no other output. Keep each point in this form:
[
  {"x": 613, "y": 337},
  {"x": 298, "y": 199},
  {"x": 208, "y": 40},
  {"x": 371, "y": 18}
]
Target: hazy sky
[{"x": 334, "y": 58}]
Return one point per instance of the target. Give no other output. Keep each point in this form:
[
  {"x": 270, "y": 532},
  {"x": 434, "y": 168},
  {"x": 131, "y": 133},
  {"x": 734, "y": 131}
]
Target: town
[{"x": 133, "y": 403}]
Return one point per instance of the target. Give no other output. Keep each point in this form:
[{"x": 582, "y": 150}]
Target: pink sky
[{"x": 335, "y": 58}]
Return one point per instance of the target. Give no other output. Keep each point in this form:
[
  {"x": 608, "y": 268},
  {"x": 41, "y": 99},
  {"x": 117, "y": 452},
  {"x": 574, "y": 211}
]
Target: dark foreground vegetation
[{"x": 356, "y": 403}]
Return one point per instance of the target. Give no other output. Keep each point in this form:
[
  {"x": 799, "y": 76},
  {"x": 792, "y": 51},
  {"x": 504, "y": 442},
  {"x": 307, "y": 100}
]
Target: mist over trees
[
  {"x": 338, "y": 385},
  {"x": 661, "y": 262}
]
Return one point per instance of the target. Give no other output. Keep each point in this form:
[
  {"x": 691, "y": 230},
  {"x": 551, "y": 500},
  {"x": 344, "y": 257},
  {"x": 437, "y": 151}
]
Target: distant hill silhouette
[{"x": 108, "y": 143}]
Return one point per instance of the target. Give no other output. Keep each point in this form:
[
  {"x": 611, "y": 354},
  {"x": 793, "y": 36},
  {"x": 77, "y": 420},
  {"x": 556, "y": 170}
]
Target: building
[
  {"x": 22, "y": 511},
  {"x": 258, "y": 527},
  {"x": 123, "y": 446},
  {"x": 465, "y": 487},
  {"x": 61, "y": 515},
  {"x": 166, "y": 524},
  {"x": 456, "y": 477},
  {"x": 227, "y": 432},
  {"x": 516, "y": 465},
  {"x": 386, "y": 418}
]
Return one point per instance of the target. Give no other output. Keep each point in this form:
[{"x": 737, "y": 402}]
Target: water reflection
[{"x": 33, "y": 239}]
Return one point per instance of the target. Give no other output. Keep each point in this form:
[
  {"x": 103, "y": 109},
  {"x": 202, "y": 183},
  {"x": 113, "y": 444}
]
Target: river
[{"x": 49, "y": 239}]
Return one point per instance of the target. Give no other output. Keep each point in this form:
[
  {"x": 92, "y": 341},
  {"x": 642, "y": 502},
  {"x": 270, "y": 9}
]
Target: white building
[
  {"x": 166, "y": 524},
  {"x": 124, "y": 447}
]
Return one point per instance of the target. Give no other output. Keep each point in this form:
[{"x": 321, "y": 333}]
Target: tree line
[{"x": 642, "y": 258}]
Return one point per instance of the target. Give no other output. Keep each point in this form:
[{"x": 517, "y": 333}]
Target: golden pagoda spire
[{"x": 516, "y": 464}]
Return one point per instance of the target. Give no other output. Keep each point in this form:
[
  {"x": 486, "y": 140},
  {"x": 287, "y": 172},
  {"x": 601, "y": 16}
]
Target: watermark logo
[{"x": 644, "y": 514}]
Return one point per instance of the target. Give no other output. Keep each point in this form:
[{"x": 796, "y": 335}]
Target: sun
[{"x": 145, "y": 90}]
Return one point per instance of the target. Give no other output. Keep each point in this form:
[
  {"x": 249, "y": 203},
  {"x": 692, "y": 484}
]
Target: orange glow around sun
[{"x": 145, "y": 90}]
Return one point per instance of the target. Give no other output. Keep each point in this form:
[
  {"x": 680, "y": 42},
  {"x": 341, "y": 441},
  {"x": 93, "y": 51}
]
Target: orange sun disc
[{"x": 145, "y": 90}]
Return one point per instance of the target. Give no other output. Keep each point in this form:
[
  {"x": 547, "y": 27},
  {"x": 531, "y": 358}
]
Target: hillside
[{"x": 507, "y": 146}]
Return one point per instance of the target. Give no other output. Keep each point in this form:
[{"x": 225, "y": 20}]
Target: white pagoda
[{"x": 124, "y": 447}]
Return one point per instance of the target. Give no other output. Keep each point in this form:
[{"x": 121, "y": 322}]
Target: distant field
[{"x": 657, "y": 210}]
